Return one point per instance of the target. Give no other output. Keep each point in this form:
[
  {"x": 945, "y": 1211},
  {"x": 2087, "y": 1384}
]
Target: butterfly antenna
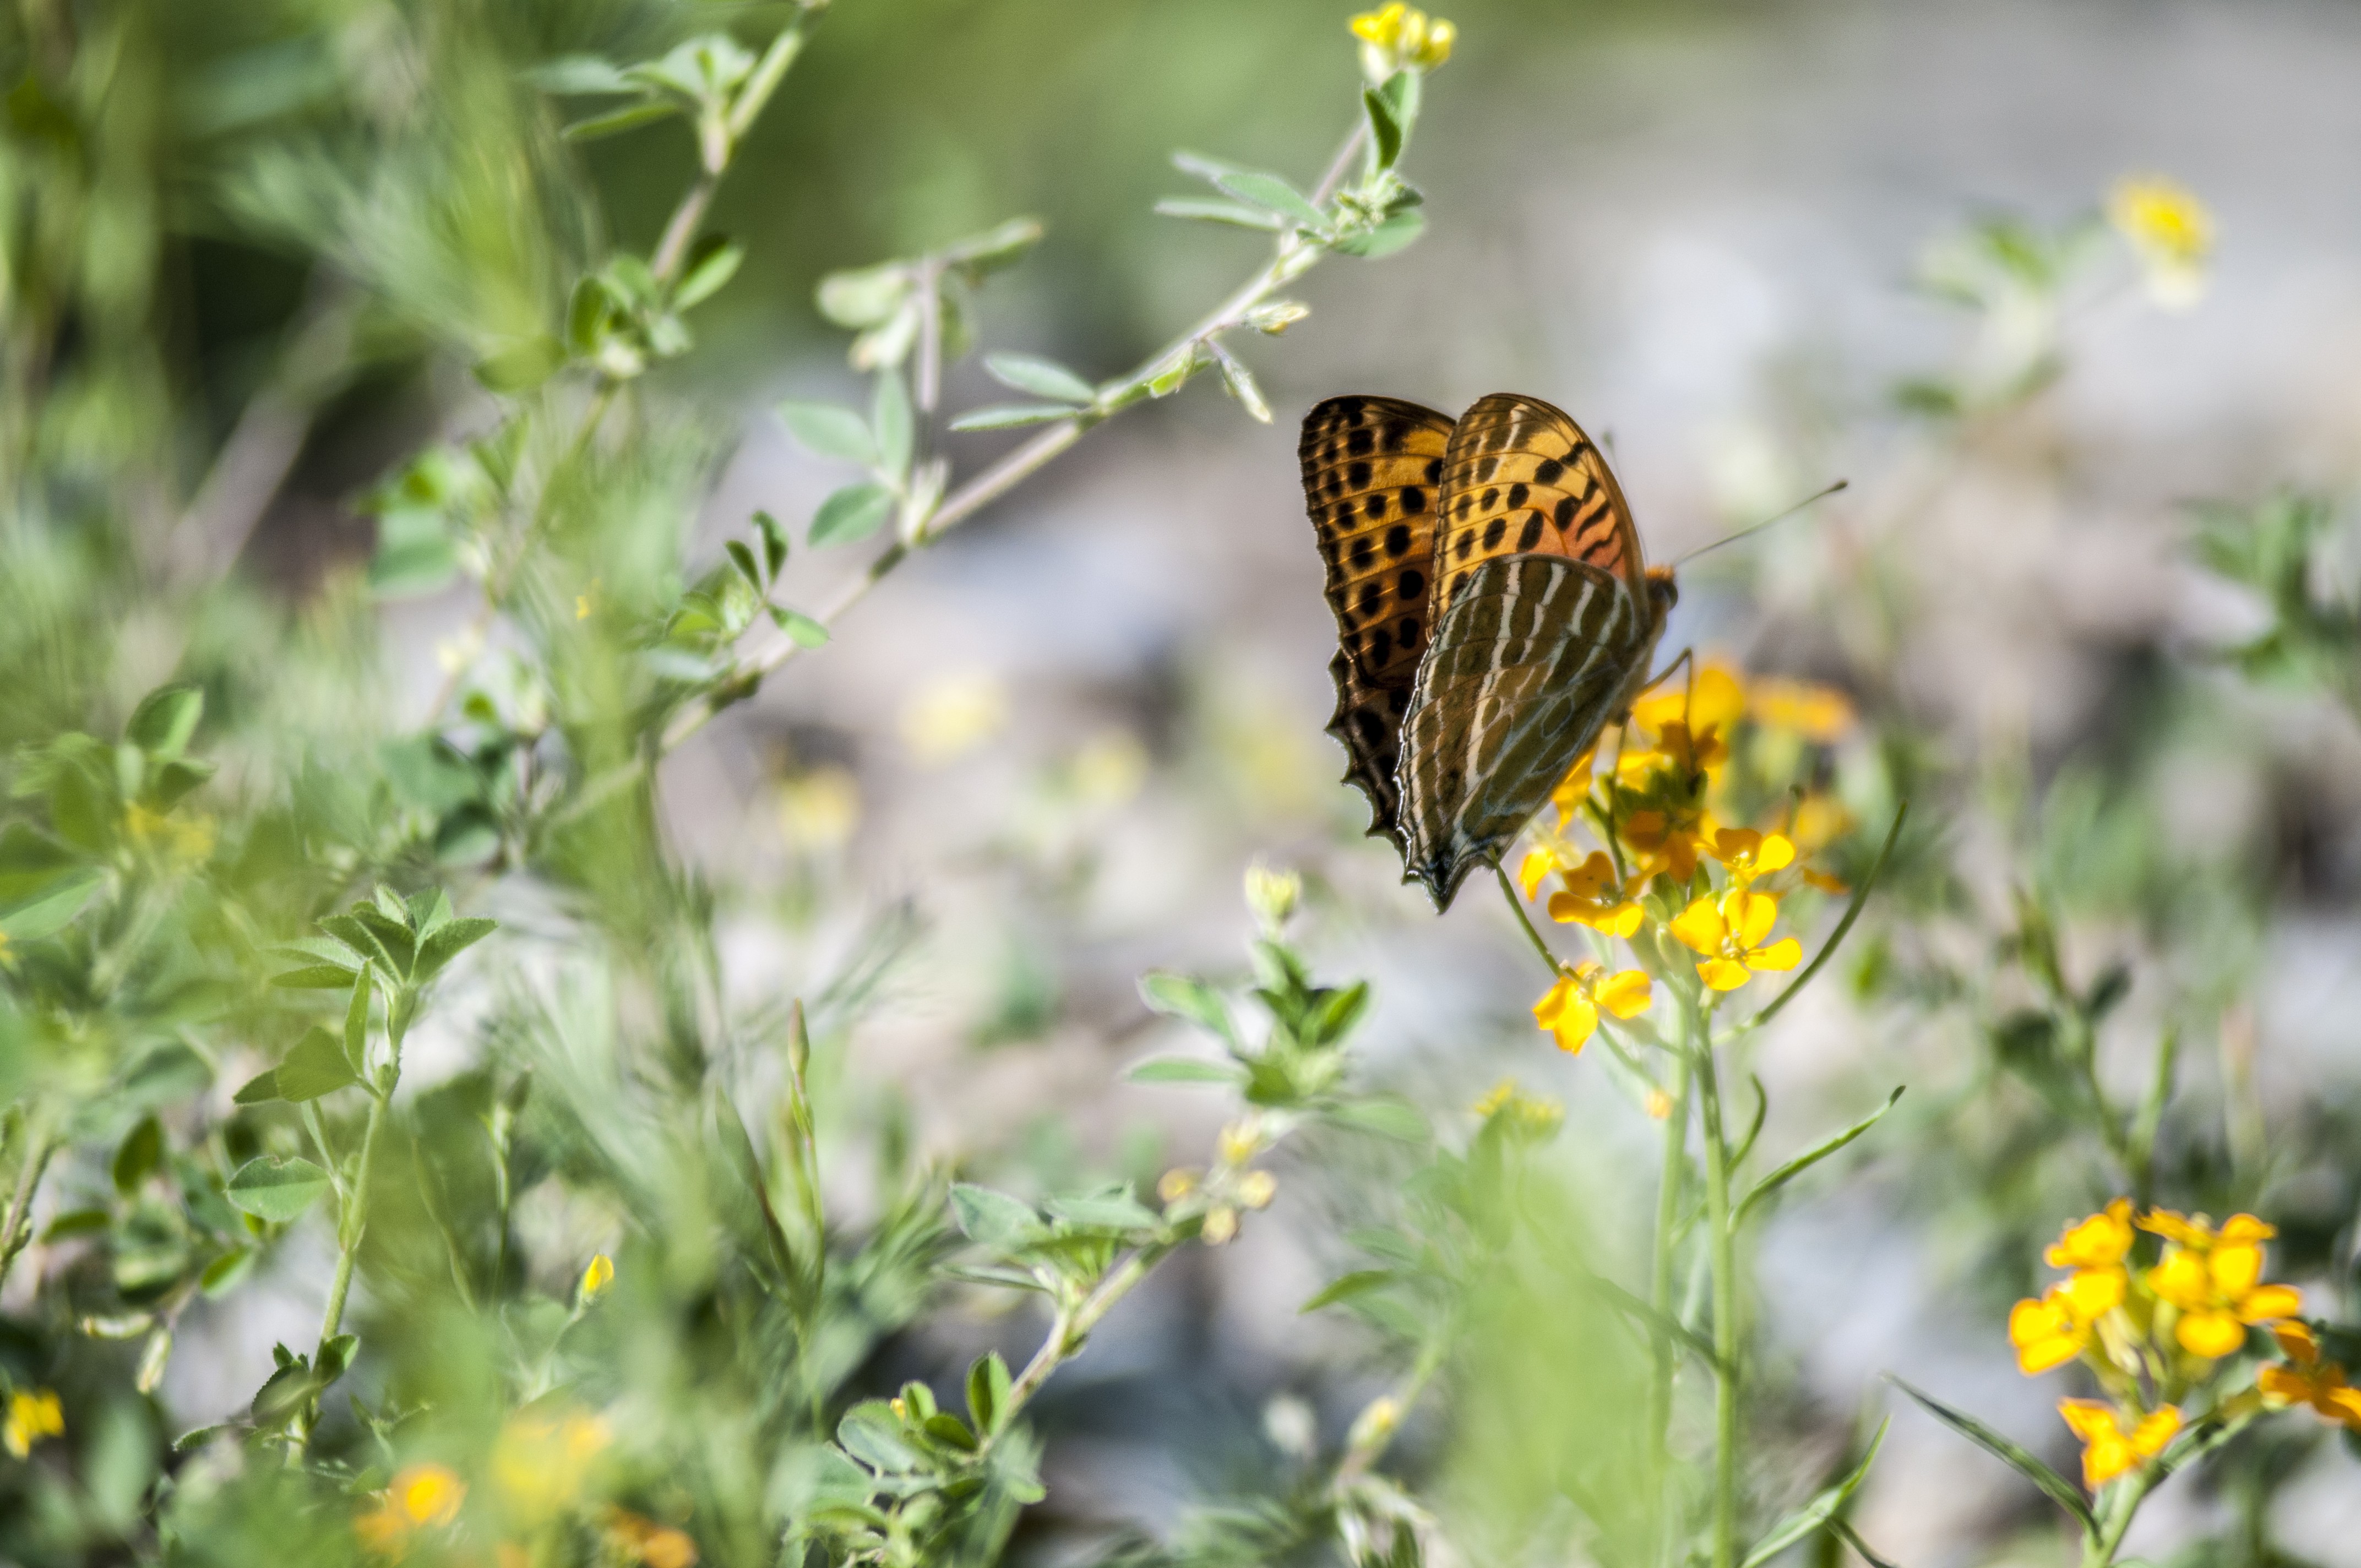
[{"x": 1754, "y": 528}]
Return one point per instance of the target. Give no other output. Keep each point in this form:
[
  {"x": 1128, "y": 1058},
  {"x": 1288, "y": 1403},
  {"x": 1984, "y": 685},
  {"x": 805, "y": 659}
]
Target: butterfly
[{"x": 1493, "y": 614}]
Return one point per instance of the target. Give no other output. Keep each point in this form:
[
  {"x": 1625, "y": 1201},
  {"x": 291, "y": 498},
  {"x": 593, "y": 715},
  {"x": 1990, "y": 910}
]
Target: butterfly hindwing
[
  {"x": 1528, "y": 663},
  {"x": 1372, "y": 484},
  {"x": 1521, "y": 478}
]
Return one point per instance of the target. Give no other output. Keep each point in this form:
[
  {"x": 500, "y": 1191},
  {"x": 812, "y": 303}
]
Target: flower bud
[
  {"x": 1220, "y": 1224},
  {"x": 1256, "y": 1189},
  {"x": 1176, "y": 1184}
]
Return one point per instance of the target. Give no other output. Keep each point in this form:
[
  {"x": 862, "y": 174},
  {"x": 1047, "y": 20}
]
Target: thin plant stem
[
  {"x": 17, "y": 1236},
  {"x": 352, "y": 1223},
  {"x": 1660, "y": 1293},
  {"x": 1722, "y": 1241},
  {"x": 1071, "y": 1327},
  {"x": 1532, "y": 933}
]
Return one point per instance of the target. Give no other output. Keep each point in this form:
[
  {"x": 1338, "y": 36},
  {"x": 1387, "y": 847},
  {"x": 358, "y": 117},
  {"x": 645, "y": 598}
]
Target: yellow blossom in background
[
  {"x": 1109, "y": 768},
  {"x": 1221, "y": 1226},
  {"x": 1749, "y": 854},
  {"x": 33, "y": 1414},
  {"x": 1714, "y": 702},
  {"x": 1683, "y": 751},
  {"x": 1572, "y": 791},
  {"x": 421, "y": 1496},
  {"x": 1241, "y": 1140},
  {"x": 542, "y": 1461},
  {"x": 587, "y": 601},
  {"x": 2108, "y": 1450},
  {"x": 596, "y": 1279},
  {"x": 1659, "y": 1106},
  {"x": 2306, "y": 1379},
  {"x": 184, "y": 839},
  {"x": 953, "y": 714},
  {"x": 1593, "y": 897},
  {"x": 1668, "y": 840},
  {"x": 1273, "y": 895},
  {"x": 2215, "y": 1279},
  {"x": 1256, "y": 1189},
  {"x": 1570, "y": 1009},
  {"x": 818, "y": 810},
  {"x": 1531, "y": 1115},
  {"x": 2046, "y": 1332},
  {"x": 1730, "y": 932},
  {"x": 2171, "y": 232},
  {"x": 642, "y": 1540},
  {"x": 1401, "y": 37},
  {"x": 1821, "y": 715}
]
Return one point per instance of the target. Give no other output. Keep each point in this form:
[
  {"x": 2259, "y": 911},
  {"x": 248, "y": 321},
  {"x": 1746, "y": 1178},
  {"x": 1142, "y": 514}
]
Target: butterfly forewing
[
  {"x": 1372, "y": 483},
  {"x": 1521, "y": 478},
  {"x": 1529, "y": 662}
]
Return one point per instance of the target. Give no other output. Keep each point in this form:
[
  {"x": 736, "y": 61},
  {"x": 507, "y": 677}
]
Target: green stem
[
  {"x": 1659, "y": 1293},
  {"x": 352, "y": 1219},
  {"x": 1070, "y": 1328},
  {"x": 1533, "y": 934},
  {"x": 15, "y": 1234},
  {"x": 2099, "y": 1551},
  {"x": 1722, "y": 1239}
]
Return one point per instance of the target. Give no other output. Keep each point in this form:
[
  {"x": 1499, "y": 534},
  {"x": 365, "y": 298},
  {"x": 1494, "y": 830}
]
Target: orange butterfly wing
[
  {"x": 1521, "y": 478},
  {"x": 1373, "y": 471}
]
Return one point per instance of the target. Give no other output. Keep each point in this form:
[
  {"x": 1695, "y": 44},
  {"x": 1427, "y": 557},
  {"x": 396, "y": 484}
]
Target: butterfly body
[{"x": 1539, "y": 621}]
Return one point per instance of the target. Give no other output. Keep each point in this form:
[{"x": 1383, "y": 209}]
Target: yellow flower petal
[
  {"x": 1722, "y": 974},
  {"x": 1537, "y": 864},
  {"x": 2155, "y": 1431},
  {"x": 1554, "y": 1002},
  {"x": 1780, "y": 955},
  {"x": 1575, "y": 1024},
  {"x": 1626, "y": 995},
  {"x": 1700, "y": 927},
  {"x": 1751, "y": 916},
  {"x": 2235, "y": 1269},
  {"x": 2092, "y": 1293},
  {"x": 2270, "y": 1303},
  {"x": 2210, "y": 1334}
]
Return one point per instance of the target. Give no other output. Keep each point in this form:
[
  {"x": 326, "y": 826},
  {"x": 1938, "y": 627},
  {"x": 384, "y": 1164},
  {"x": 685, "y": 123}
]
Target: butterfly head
[{"x": 1662, "y": 593}]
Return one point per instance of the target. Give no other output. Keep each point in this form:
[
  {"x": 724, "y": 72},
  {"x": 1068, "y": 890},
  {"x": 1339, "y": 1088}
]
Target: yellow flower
[
  {"x": 1529, "y": 1115},
  {"x": 1729, "y": 931},
  {"x": 587, "y": 600},
  {"x": 2107, "y": 1449},
  {"x": 1570, "y": 1009},
  {"x": 1176, "y": 1184},
  {"x": 2171, "y": 232},
  {"x": 1667, "y": 839},
  {"x": 819, "y": 810},
  {"x": 1401, "y": 37},
  {"x": 421, "y": 1496},
  {"x": 1660, "y": 1105},
  {"x": 954, "y": 713},
  {"x": 2094, "y": 1249},
  {"x": 1819, "y": 713},
  {"x": 1715, "y": 701},
  {"x": 1221, "y": 1226},
  {"x": 2215, "y": 1279},
  {"x": 597, "y": 1278},
  {"x": 1594, "y": 898},
  {"x": 1273, "y": 895},
  {"x": 1573, "y": 790},
  {"x": 2046, "y": 1332},
  {"x": 543, "y": 1461},
  {"x": 1256, "y": 1189},
  {"x": 32, "y": 1416},
  {"x": 1749, "y": 854},
  {"x": 644, "y": 1540},
  {"x": 2308, "y": 1380}
]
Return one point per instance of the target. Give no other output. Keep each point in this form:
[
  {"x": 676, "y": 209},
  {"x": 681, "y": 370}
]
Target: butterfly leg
[{"x": 1653, "y": 681}]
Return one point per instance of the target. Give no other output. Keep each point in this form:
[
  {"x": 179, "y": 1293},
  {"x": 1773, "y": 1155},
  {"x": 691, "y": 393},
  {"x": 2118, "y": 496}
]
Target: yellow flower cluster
[
  {"x": 33, "y": 1414},
  {"x": 1531, "y": 1116},
  {"x": 2164, "y": 1327},
  {"x": 2171, "y": 234},
  {"x": 1656, "y": 814},
  {"x": 1401, "y": 37},
  {"x": 421, "y": 1498}
]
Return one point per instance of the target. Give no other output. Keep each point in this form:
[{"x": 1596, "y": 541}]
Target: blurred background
[{"x": 1036, "y": 762}]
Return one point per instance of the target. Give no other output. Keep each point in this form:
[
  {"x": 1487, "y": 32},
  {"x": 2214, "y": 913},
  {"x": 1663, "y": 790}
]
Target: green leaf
[
  {"x": 890, "y": 417},
  {"x": 262, "y": 1088},
  {"x": 864, "y": 297},
  {"x": 743, "y": 559},
  {"x": 712, "y": 262},
  {"x": 1240, "y": 382},
  {"x": 1010, "y": 416},
  {"x": 54, "y": 909},
  {"x": 1042, "y": 377},
  {"x": 774, "y": 535},
  {"x": 1273, "y": 194},
  {"x": 1360, "y": 1282},
  {"x": 1823, "y": 1507},
  {"x": 1395, "y": 233},
  {"x": 521, "y": 367},
  {"x": 1385, "y": 127},
  {"x": 851, "y": 515},
  {"x": 1335, "y": 1014},
  {"x": 1803, "y": 1162},
  {"x": 276, "y": 1189},
  {"x": 320, "y": 977},
  {"x": 226, "y": 1273},
  {"x": 141, "y": 1151},
  {"x": 951, "y": 1432},
  {"x": 356, "y": 1014},
  {"x": 1186, "y": 996},
  {"x": 806, "y": 631},
  {"x": 644, "y": 112},
  {"x": 1386, "y": 1116},
  {"x": 871, "y": 1433},
  {"x": 582, "y": 74},
  {"x": 316, "y": 1067},
  {"x": 825, "y": 429},
  {"x": 1183, "y": 1070},
  {"x": 165, "y": 720},
  {"x": 1003, "y": 244},
  {"x": 1204, "y": 210},
  {"x": 2059, "y": 1490},
  {"x": 995, "y": 1219},
  {"x": 987, "y": 1391}
]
